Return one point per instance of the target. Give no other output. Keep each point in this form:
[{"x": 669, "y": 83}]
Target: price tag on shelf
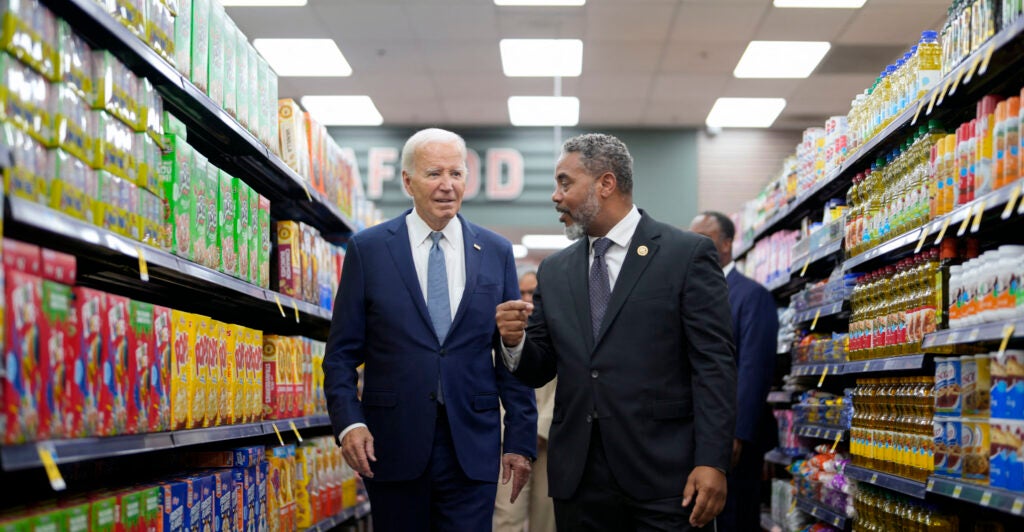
[
  {"x": 835, "y": 522},
  {"x": 804, "y": 269},
  {"x": 957, "y": 490},
  {"x": 295, "y": 306},
  {"x": 942, "y": 92},
  {"x": 931, "y": 102},
  {"x": 953, "y": 337},
  {"x": 306, "y": 189},
  {"x": 975, "y": 333},
  {"x": 956, "y": 82},
  {"x": 867, "y": 366},
  {"x": 839, "y": 436},
  {"x": 985, "y": 61},
  {"x": 792, "y": 506},
  {"x": 279, "y": 438},
  {"x": 46, "y": 453},
  {"x": 1007, "y": 333},
  {"x": 942, "y": 231},
  {"x": 977, "y": 217},
  {"x": 920, "y": 105},
  {"x": 931, "y": 485},
  {"x": 143, "y": 266},
  {"x": 920, "y": 243},
  {"x": 816, "y": 433},
  {"x": 1018, "y": 506},
  {"x": 279, "y": 307},
  {"x": 874, "y": 477},
  {"x": 986, "y": 498},
  {"x": 963, "y": 226},
  {"x": 822, "y": 379},
  {"x": 295, "y": 430},
  {"x": 1009, "y": 203},
  {"x": 817, "y": 315},
  {"x": 972, "y": 70},
  {"x": 814, "y": 511}
]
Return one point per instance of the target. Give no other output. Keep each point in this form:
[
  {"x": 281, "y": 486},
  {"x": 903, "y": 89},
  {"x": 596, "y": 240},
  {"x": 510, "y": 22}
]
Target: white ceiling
[{"x": 646, "y": 63}]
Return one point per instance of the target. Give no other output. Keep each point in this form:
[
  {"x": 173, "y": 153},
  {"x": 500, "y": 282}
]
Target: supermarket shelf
[
  {"x": 821, "y": 512},
  {"x": 807, "y": 370},
  {"x": 780, "y": 396},
  {"x": 173, "y": 280},
  {"x": 358, "y": 512},
  {"x": 885, "y": 364},
  {"x": 785, "y": 285},
  {"x": 211, "y": 129},
  {"x": 26, "y": 456},
  {"x": 993, "y": 201},
  {"x": 994, "y": 498},
  {"x": 827, "y": 251},
  {"x": 987, "y": 332},
  {"x": 776, "y": 456},
  {"x": 823, "y": 433},
  {"x": 821, "y": 311},
  {"x": 897, "y": 483},
  {"x": 1006, "y": 54}
]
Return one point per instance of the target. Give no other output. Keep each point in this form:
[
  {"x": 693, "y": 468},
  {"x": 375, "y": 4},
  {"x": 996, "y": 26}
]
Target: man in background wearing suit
[
  {"x": 414, "y": 306},
  {"x": 535, "y": 506},
  {"x": 633, "y": 319},
  {"x": 755, "y": 325}
]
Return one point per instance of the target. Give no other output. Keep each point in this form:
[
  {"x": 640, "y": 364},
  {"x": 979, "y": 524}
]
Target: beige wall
[{"x": 734, "y": 165}]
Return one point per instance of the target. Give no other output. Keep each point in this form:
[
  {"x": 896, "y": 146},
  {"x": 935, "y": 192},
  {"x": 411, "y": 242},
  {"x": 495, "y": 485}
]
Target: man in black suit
[{"x": 634, "y": 321}]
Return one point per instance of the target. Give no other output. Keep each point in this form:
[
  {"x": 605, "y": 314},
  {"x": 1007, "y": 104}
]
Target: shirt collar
[
  {"x": 729, "y": 268},
  {"x": 419, "y": 231},
  {"x": 623, "y": 231}
]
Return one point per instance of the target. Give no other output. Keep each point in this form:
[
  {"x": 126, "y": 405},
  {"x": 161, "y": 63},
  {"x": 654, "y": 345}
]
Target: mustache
[{"x": 563, "y": 210}]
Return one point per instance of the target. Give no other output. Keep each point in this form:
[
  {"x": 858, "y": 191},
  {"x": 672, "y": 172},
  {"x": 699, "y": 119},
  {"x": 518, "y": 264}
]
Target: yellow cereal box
[
  {"x": 257, "y": 374},
  {"x": 183, "y": 329},
  {"x": 204, "y": 349},
  {"x": 231, "y": 406},
  {"x": 214, "y": 400}
]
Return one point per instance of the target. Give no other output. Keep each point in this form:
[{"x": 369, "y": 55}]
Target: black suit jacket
[{"x": 661, "y": 376}]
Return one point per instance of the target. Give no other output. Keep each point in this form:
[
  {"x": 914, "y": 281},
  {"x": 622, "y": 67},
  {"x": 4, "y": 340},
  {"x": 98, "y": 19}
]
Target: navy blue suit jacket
[
  {"x": 381, "y": 319},
  {"x": 755, "y": 326}
]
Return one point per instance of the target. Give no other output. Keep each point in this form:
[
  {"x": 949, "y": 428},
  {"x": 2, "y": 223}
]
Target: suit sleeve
[
  {"x": 707, "y": 324},
  {"x": 757, "y": 341},
  {"x": 346, "y": 343},
  {"x": 537, "y": 364},
  {"x": 519, "y": 400}
]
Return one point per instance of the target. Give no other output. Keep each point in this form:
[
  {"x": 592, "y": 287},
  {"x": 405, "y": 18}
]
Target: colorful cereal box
[
  {"x": 1006, "y": 450},
  {"x": 130, "y": 504},
  {"x": 204, "y": 347},
  {"x": 103, "y": 515},
  {"x": 289, "y": 256},
  {"x": 308, "y": 235},
  {"x": 21, "y": 256},
  {"x": 245, "y": 496},
  {"x": 254, "y": 93},
  {"x": 183, "y": 39},
  {"x": 217, "y": 52},
  {"x": 224, "y": 504},
  {"x": 257, "y": 374},
  {"x": 113, "y": 393},
  {"x": 261, "y": 494},
  {"x": 209, "y": 216},
  {"x": 141, "y": 354},
  {"x": 176, "y": 172},
  {"x": 57, "y": 339},
  {"x": 21, "y": 381},
  {"x": 183, "y": 368},
  {"x": 259, "y": 240},
  {"x": 227, "y": 209},
  {"x": 219, "y": 371},
  {"x": 58, "y": 267},
  {"x": 83, "y": 363},
  {"x": 160, "y": 371},
  {"x": 200, "y": 75},
  {"x": 241, "y": 229},
  {"x": 152, "y": 510},
  {"x": 179, "y": 498},
  {"x": 947, "y": 386},
  {"x": 242, "y": 77},
  {"x": 229, "y": 40}
]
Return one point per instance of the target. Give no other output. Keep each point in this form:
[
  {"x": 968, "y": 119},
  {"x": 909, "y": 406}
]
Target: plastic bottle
[
  {"x": 983, "y": 141},
  {"x": 929, "y": 66},
  {"x": 952, "y": 175},
  {"x": 999, "y": 146},
  {"x": 1011, "y": 130}
]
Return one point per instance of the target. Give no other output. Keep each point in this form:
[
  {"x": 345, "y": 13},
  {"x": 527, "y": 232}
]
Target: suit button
[
  {"x": 590, "y": 418},
  {"x": 593, "y": 374},
  {"x": 443, "y": 352}
]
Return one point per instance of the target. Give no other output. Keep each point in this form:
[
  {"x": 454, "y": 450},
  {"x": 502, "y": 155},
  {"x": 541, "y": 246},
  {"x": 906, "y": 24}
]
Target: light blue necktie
[{"x": 438, "y": 303}]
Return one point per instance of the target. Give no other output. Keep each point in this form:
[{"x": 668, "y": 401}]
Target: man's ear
[
  {"x": 406, "y": 182},
  {"x": 607, "y": 183}
]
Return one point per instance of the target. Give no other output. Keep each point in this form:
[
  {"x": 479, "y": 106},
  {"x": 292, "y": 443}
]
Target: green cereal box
[
  {"x": 173, "y": 126},
  {"x": 217, "y": 29},
  {"x": 253, "y": 94},
  {"x": 102, "y": 515},
  {"x": 227, "y": 210},
  {"x": 210, "y": 217},
  {"x": 130, "y": 503},
  {"x": 149, "y": 497},
  {"x": 262, "y": 83},
  {"x": 200, "y": 58},
  {"x": 254, "y": 237},
  {"x": 263, "y": 260},
  {"x": 176, "y": 170},
  {"x": 51, "y": 520},
  {"x": 200, "y": 167},
  {"x": 78, "y": 518},
  {"x": 231, "y": 63},
  {"x": 76, "y": 189},
  {"x": 242, "y": 77},
  {"x": 183, "y": 38},
  {"x": 271, "y": 111},
  {"x": 16, "y": 524},
  {"x": 242, "y": 229}
]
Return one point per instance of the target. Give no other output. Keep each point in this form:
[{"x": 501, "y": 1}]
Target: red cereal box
[
  {"x": 274, "y": 355},
  {"x": 160, "y": 371},
  {"x": 83, "y": 364},
  {"x": 112, "y": 403},
  {"x": 20, "y": 390},
  {"x": 57, "y": 339},
  {"x": 141, "y": 352},
  {"x": 22, "y": 257},
  {"x": 58, "y": 267}
]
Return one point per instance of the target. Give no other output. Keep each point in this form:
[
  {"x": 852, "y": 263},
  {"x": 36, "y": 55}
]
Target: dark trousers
[
  {"x": 742, "y": 510},
  {"x": 600, "y": 504},
  {"x": 442, "y": 499}
]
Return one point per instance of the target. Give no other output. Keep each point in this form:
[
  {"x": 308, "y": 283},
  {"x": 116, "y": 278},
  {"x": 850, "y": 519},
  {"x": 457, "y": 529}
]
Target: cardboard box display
[
  {"x": 200, "y": 58},
  {"x": 141, "y": 357},
  {"x": 113, "y": 393},
  {"x": 176, "y": 172},
  {"x": 183, "y": 368},
  {"x": 227, "y": 211},
  {"x": 57, "y": 339},
  {"x": 242, "y": 87},
  {"x": 159, "y": 405},
  {"x": 103, "y": 515},
  {"x": 242, "y": 228},
  {"x": 21, "y": 381},
  {"x": 218, "y": 28},
  {"x": 183, "y": 38},
  {"x": 289, "y": 254},
  {"x": 209, "y": 215},
  {"x": 178, "y": 498},
  {"x": 84, "y": 363},
  {"x": 260, "y": 239}
]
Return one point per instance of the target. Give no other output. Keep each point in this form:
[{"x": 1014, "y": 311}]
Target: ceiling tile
[
  {"x": 383, "y": 57},
  {"x": 401, "y": 112},
  {"x": 649, "y": 23},
  {"x": 700, "y": 57},
  {"x": 717, "y": 23},
  {"x": 542, "y": 23},
  {"x": 610, "y": 87},
  {"x": 358, "y": 22},
  {"x": 684, "y": 87},
  {"x": 761, "y": 88},
  {"x": 664, "y": 114},
  {"x": 617, "y": 58},
  {"x": 481, "y": 57},
  {"x": 476, "y": 111},
  {"x": 612, "y": 112},
  {"x": 803, "y": 24},
  {"x": 279, "y": 23},
  {"x": 891, "y": 24},
  {"x": 468, "y": 22}
]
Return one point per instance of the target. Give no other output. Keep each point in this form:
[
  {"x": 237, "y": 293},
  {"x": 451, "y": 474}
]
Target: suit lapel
[
  {"x": 473, "y": 251},
  {"x": 401, "y": 254},
  {"x": 578, "y": 277},
  {"x": 633, "y": 267}
]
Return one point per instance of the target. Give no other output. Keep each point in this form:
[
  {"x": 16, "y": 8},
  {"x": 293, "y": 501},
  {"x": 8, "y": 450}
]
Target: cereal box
[
  {"x": 130, "y": 503},
  {"x": 76, "y": 62},
  {"x": 253, "y": 396},
  {"x": 261, "y": 237},
  {"x": 83, "y": 363},
  {"x": 176, "y": 170},
  {"x": 1005, "y": 451},
  {"x": 224, "y": 505},
  {"x": 227, "y": 211},
  {"x": 179, "y": 498},
  {"x": 275, "y": 377},
  {"x": 21, "y": 256},
  {"x": 183, "y": 369},
  {"x": 947, "y": 386},
  {"x": 204, "y": 485},
  {"x": 160, "y": 371},
  {"x": 242, "y": 78},
  {"x": 183, "y": 39},
  {"x": 244, "y": 479},
  {"x": 229, "y": 40},
  {"x": 57, "y": 339},
  {"x": 218, "y": 383},
  {"x": 210, "y": 217},
  {"x": 218, "y": 25},
  {"x": 113, "y": 392},
  {"x": 307, "y": 261},
  {"x": 21, "y": 381},
  {"x": 200, "y": 203},
  {"x": 255, "y": 94},
  {"x": 58, "y": 267},
  {"x": 204, "y": 347},
  {"x": 266, "y": 116},
  {"x": 294, "y": 143},
  {"x": 289, "y": 255},
  {"x": 974, "y": 445},
  {"x": 52, "y": 519},
  {"x": 103, "y": 515},
  {"x": 141, "y": 354},
  {"x": 1007, "y": 374},
  {"x": 257, "y": 373},
  {"x": 242, "y": 229},
  {"x": 200, "y": 59},
  {"x": 271, "y": 91}
]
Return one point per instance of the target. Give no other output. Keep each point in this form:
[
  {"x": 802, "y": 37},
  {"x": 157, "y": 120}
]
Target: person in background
[
  {"x": 535, "y": 506},
  {"x": 415, "y": 307},
  {"x": 633, "y": 319},
  {"x": 755, "y": 325}
]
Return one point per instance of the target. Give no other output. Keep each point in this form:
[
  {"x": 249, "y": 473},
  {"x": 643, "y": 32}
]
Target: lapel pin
[
  {"x": 642, "y": 251},
  {"x": 476, "y": 246}
]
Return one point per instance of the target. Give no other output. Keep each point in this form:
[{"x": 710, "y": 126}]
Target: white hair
[{"x": 424, "y": 137}]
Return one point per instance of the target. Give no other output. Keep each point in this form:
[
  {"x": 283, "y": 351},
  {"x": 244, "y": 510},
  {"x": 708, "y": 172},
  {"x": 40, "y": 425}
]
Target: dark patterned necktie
[{"x": 600, "y": 286}]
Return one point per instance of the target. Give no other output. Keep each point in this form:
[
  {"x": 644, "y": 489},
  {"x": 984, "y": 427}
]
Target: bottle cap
[{"x": 929, "y": 35}]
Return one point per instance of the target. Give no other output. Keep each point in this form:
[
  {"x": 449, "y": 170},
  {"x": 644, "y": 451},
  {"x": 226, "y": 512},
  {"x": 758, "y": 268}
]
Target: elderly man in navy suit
[
  {"x": 415, "y": 305},
  {"x": 755, "y": 325}
]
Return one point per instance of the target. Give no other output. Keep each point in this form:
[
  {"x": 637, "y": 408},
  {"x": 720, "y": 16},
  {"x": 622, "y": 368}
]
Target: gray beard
[{"x": 583, "y": 217}]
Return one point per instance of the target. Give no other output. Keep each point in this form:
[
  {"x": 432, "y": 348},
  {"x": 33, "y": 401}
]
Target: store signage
[{"x": 500, "y": 174}]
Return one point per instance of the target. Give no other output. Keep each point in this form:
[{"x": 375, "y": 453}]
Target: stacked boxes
[
  {"x": 289, "y": 383},
  {"x": 308, "y": 148},
  {"x": 308, "y": 266}
]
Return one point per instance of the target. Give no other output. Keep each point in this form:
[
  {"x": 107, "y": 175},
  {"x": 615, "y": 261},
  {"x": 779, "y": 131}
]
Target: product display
[
  {"x": 309, "y": 150},
  {"x": 308, "y": 266},
  {"x": 882, "y": 510},
  {"x": 892, "y": 425}
]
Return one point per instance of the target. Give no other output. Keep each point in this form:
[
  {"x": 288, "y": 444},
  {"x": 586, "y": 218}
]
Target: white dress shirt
[
  {"x": 454, "y": 262},
  {"x": 620, "y": 235},
  {"x": 729, "y": 268}
]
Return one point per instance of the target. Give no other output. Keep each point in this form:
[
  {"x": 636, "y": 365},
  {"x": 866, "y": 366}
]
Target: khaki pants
[{"x": 533, "y": 504}]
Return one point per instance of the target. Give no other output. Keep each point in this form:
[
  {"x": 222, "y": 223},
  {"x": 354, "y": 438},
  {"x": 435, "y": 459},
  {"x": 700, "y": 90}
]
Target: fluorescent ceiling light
[
  {"x": 544, "y": 110},
  {"x": 546, "y": 241},
  {"x": 541, "y": 57},
  {"x": 829, "y": 4},
  {"x": 745, "y": 112},
  {"x": 263, "y": 3},
  {"x": 343, "y": 110},
  {"x": 519, "y": 251},
  {"x": 780, "y": 59},
  {"x": 539, "y": 2},
  {"x": 315, "y": 58}
]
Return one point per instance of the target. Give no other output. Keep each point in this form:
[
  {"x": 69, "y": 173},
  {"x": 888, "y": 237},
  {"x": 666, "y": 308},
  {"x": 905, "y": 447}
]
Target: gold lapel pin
[
  {"x": 476, "y": 246},
  {"x": 642, "y": 251}
]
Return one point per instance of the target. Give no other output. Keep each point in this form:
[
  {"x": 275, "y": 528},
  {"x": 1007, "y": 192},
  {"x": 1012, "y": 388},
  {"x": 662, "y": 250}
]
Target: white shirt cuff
[
  {"x": 341, "y": 437},
  {"x": 510, "y": 355}
]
